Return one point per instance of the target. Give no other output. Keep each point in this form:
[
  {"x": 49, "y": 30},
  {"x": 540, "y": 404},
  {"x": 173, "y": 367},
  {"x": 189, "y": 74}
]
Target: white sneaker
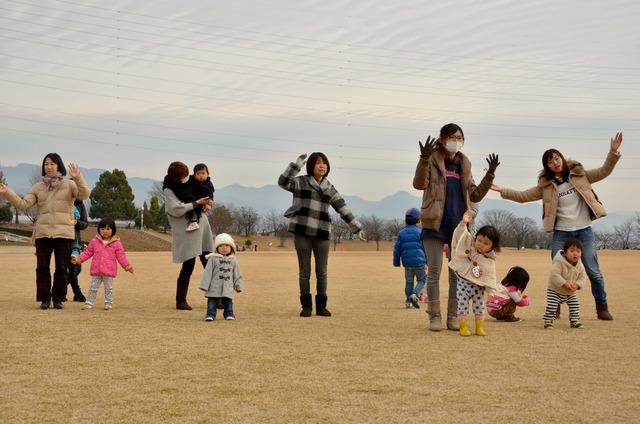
[
  {"x": 209, "y": 318},
  {"x": 230, "y": 318},
  {"x": 408, "y": 305},
  {"x": 87, "y": 306},
  {"x": 192, "y": 226},
  {"x": 108, "y": 307}
]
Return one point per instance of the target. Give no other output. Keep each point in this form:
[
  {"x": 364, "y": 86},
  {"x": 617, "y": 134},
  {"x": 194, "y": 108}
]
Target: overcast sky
[{"x": 246, "y": 86}]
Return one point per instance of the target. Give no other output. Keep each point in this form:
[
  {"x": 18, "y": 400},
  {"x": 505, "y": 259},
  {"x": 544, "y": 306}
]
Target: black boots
[
  {"x": 307, "y": 306},
  {"x": 182, "y": 288},
  {"x": 321, "y": 306},
  {"x": 603, "y": 312},
  {"x": 45, "y": 304}
]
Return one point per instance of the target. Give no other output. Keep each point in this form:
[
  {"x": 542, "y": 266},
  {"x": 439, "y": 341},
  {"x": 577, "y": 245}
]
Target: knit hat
[
  {"x": 412, "y": 216},
  {"x": 224, "y": 238}
]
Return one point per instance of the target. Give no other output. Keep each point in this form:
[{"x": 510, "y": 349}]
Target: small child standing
[
  {"x": 201, "y": 187},
  {"x": 567, "y": 276},
  {"x": 107, "y": 251},
  {"x": 473, "y": 260},
  {"x": 221, "y": 277},
  {"x": 80, "y": 223},
  {"x": 409, "y": 250},
  {"x": 502, "y": 304}
]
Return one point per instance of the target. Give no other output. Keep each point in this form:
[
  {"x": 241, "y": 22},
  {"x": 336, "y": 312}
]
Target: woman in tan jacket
[
  {"x": 444, "y": 175},
  {"x": 54, "y": 228},
  {"x": 569, "y": 204}
]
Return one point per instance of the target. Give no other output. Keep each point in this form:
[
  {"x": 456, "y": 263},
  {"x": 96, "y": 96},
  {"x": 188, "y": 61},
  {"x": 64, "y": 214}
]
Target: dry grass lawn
[{"x": 373, "y": 361}]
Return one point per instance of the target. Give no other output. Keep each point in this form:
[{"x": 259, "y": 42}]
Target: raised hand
[
  {"x": 616, "y": 142},
  {"x": 428, "y": 147},
  {"x": 493, "y": 162},
  {"x": 361, "y": 236},
  {"x": 74, "y": 170},
  {"x": 497, "y": 188},
  {"x": 467, "y": 217},
  {"x": 3, "y": 188},
  {"x": 301, "y": 160}
]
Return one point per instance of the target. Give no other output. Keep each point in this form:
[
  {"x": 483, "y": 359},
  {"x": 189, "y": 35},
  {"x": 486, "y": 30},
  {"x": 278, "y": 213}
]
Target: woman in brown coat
[
  {"x": 54, "y": 229},
  {"x": 444, "y": 175},
  {"x": 569, "y": 204}
]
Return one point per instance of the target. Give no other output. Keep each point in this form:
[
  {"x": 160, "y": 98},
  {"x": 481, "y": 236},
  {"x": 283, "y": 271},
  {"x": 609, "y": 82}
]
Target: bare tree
[
  {"x": 339, "y": 230},
  {"x": 524, "y": 232},
  {"x": 503, "y": 221},
  {"x": 221, "y": 219},
  {"x": 247, "y": 220},
  {"x": 604, "y": 240},
  {"x": 3, "y": 180},
  {"x": 156, "y": 190},
  {"x": 624, "y": 233},
  {"x": 392, "y": 228},
  {"x": 374, "y": 229},
  {"x": 277, "y": 225}
]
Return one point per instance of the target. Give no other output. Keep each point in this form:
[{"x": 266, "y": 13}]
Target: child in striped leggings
[{"x": 567, "y": 277}]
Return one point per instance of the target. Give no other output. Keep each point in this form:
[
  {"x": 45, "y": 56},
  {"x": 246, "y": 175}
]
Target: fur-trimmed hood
[{"x": 575, "y": 169}]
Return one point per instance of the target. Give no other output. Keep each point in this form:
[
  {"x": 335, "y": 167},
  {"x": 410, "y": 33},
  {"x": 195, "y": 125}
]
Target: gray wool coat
[
  {"x": 221, "y": 276},
  {"x": 186, "y": 245}
]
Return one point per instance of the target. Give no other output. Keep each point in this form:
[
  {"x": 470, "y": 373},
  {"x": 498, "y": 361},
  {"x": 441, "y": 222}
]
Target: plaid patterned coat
[{"x": 309, "y": 213}]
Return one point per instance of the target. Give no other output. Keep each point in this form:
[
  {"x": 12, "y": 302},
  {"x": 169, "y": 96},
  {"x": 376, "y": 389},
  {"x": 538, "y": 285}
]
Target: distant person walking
[
  {"x": 185, "y": 245},
  {"x": 54, "y": 229},
  {"x": 444, "y": 174},
  {"x": 310, "y": 223},
  {"x": 569, "y": 204}
]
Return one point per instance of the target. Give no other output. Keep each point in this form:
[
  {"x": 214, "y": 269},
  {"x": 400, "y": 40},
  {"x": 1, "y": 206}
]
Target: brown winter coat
[
  {"x": 430, "y": 177},
  {"x": 55, "y": 207},
  {"x": 580, "y": 178},
  {"x": 562, "y": 271}
]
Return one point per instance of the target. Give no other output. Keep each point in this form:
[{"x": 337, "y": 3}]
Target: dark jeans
[
  {"x": 212, "y": 306},
  {"x": 185, "y": 275},
  {"x": 589, "y": 258},
  {"x": 320, "y": 248},
  {"x": 60, "y": 248},
  {"x": 74, "y": 271}
]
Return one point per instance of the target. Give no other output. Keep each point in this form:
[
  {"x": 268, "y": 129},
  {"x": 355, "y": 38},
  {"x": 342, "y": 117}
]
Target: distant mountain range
[{"x": 271, "y": 197}]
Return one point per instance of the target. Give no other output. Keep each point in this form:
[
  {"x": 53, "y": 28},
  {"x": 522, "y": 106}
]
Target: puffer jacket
[
  {"x": 55, "y": 207},
  {"x": 562, "y": 271},
  {"x": 580, "y": 178},
  {"x": 105, "y": 256},
  {"x": 409, "y": 248},
  {"x": 430, "y": 176}
]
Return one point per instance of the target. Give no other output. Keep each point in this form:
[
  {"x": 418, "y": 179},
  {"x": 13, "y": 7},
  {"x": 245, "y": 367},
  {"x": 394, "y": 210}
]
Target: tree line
[{"x": 112, "y": 196}]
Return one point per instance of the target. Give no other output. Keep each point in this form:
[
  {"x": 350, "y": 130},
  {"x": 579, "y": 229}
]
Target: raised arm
[
  {"x": 22, "y": 203},
  {"x": 287, "y": 179},
  {"x": 422, "y": 174},
  {"x": 597, "y": 174},
  {"x": 529, "y": 195}
]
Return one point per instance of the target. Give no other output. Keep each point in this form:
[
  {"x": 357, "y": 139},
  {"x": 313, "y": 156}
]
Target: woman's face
[
  {"x": 555, "y": 164},
  {"x": 50, "y": 167},
  {"x": 319, "y": 169}
]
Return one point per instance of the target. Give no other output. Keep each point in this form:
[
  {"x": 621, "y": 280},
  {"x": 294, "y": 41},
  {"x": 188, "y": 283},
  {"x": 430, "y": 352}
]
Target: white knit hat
[{"x": 224, "y": 238}]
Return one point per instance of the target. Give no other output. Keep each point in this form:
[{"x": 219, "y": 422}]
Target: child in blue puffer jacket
[{"x": 410, "y": 250}]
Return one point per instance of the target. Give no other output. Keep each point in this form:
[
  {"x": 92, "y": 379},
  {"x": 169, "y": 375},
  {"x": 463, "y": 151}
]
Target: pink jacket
[{"x": 105, "y": 256}]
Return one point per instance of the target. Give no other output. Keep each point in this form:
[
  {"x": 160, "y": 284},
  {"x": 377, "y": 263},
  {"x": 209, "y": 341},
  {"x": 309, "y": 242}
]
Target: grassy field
[{"x": 373, "y": 361}]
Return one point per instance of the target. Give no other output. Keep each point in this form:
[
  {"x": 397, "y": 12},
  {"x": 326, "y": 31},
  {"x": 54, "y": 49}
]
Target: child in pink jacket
[{"x": 107, "y": 252}]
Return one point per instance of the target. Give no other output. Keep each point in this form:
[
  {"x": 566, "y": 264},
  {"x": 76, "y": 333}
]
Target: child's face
[
  {"x": 224, "y": 249},
  {"x": 106, "y": 232},
  {"x": 201, "y": 175},
  {"x": 573, "y": 254},
  {"x": 483, "y": 244}
]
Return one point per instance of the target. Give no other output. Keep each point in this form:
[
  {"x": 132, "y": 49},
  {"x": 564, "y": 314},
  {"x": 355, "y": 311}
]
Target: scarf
[
  {"x": 53, "y": 181},
  {"x": 181, "y": 190}
]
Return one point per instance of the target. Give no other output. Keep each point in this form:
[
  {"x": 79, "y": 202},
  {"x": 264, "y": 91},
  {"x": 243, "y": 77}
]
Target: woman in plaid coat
[{"x": 310, "y": 223}]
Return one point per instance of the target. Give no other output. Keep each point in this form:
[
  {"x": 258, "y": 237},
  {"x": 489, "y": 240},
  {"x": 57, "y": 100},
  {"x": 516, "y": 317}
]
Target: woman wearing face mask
[
  {"x": 185, "y": 245},
  {"x": 444, "y": 174}
]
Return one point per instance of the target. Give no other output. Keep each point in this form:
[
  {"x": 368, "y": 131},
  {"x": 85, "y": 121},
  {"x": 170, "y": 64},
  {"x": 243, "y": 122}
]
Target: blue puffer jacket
[{"x": 409, "y": 248}]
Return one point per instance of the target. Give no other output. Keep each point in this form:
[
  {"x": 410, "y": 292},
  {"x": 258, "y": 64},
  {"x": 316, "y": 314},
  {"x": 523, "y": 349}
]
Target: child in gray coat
[{"x": 221, "y": 277}]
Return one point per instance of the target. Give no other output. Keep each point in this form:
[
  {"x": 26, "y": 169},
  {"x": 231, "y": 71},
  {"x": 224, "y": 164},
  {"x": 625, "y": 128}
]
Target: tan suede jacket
[
  {"x": 430, "y": 177},
  {"x": 580, "y": 178},
  {"x": 55, "y": 207}
]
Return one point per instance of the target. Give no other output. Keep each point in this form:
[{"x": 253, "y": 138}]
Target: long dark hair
[
  {"x": 55, "y": 158},
  {"x": 311, "y": 163},
  {"x": 517, "y": 276},
  {"x": 546, "y": 156}
]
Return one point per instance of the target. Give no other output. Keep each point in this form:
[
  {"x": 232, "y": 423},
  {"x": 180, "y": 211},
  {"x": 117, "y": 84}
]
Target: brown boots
[{"x": 603, "y": 312}]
